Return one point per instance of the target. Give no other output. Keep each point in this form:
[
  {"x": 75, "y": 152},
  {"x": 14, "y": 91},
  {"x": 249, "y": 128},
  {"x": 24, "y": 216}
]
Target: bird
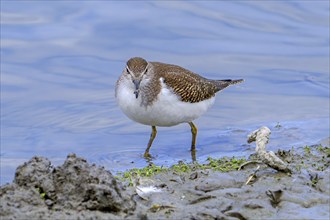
[{"x": 164, "y": 95}]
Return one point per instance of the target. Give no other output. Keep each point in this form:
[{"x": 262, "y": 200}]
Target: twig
[{"x": 261, "y": 137}]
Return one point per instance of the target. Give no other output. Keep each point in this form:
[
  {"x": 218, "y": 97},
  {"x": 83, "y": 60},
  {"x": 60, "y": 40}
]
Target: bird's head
[{"x": 136, "y": 70}]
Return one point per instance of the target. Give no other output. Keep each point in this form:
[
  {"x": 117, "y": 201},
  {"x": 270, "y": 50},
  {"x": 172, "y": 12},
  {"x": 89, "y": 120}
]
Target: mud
[
  {"x": 78, "y": 190},
  {"x": 75, "y": 189}
]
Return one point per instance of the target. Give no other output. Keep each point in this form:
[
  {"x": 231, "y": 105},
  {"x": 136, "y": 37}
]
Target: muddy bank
[{"x": 78, "y": 190}]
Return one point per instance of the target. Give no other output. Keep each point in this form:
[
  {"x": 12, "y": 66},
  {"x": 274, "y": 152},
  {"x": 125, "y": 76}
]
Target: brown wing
[{"x": 189, "y": 86}]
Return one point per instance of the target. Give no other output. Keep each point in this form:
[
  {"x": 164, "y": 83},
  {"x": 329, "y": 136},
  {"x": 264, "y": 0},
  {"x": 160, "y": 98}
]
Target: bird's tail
[
  {"x": 236, "y": 81},
  {"x": 221, "y": 84}
]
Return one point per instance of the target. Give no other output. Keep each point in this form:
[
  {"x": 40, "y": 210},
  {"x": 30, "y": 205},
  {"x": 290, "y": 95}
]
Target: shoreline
[{"x": 77, "y": 189}]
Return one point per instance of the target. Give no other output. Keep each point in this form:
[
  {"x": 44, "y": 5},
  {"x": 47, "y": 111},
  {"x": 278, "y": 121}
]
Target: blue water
[{"x": 60, "y": 61}]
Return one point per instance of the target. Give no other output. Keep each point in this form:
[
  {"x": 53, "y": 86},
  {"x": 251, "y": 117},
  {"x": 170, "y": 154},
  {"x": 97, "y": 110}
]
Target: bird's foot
[{"x": 147, "y": 155}]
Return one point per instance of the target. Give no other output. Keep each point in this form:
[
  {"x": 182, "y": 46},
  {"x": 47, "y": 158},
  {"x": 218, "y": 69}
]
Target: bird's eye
[{"x": 128, "y": 72}]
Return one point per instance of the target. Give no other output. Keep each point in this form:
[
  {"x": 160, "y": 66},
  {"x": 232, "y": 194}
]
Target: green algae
[
  {"x": 224, "y": 164},
  {"x": 311, "y": 159}
]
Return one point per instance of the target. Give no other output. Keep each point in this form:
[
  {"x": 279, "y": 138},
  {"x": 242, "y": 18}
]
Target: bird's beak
[{"x": 137, "y": 87}]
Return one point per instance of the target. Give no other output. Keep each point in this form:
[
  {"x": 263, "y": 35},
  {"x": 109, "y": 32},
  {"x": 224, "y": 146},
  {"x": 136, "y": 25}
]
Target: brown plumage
[
  {"x": 189, "y": 86},
  {"x": 137, "y": 64}
]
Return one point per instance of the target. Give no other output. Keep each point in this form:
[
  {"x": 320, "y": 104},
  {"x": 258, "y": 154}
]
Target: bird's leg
[
  {"x": 193, "y": 155},
  {"x": 152, "y": 137},
  {"x": 194, "y": 135}
]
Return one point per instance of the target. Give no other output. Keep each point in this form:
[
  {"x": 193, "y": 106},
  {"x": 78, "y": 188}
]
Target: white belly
[{"x": 166, "y": 111}]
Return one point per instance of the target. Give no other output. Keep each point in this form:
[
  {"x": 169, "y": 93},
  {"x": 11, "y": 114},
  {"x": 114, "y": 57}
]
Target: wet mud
[{"x": 79, "y": 190}]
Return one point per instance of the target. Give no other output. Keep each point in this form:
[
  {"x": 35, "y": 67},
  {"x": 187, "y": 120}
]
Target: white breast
[{"x": 166, "y": 111}]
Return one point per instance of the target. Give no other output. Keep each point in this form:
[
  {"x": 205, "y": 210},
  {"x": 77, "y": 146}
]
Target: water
[{"x": 60, "y": 62}]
